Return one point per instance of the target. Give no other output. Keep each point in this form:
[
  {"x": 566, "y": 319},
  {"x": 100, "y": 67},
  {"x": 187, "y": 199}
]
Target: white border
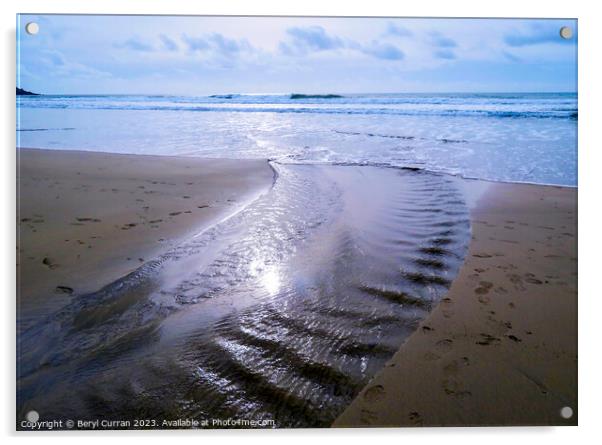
[{"x": 590, "y": 148}]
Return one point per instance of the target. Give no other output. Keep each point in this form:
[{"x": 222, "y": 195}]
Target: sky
[{"x": 182, "y": 55}]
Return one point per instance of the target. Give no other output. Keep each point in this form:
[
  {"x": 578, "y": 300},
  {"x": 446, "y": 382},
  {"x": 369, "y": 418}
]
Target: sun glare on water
[
  {"x": 270, "y": 280},
  {"x": 267, "y": 276}
]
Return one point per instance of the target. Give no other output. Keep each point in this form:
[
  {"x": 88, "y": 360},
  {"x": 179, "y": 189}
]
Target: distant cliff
[{"x": 22, "y": 92}]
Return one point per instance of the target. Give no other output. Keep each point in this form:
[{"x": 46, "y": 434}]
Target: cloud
[
  {"x": 303, "y": 41},
  {"x": 537, "y": 34},
  {"x": 135, "y": 44},
  {"x": 195, "y": 43},
  {"x": 312, "y": 38},
  {"x": 55, "y": 63},
  {"x": 228, "y": 46},
  {"x": 439, "y": 40},
  {"x": 168, "y": 44},
  {"x": 397, "y": 30},
  {"x": 383, "y": 51},
  {"x": 217, "y": 44},
  {"x": 446, "y": 54}
]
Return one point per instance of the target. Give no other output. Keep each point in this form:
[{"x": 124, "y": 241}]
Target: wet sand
[
  {"x": 283, "y": 311},
  {"x": 501, "y": 347},
  {"x": 88, "y": 218}
]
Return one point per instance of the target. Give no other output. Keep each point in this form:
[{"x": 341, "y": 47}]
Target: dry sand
[
  {"x": 501, "y": 348},
  {"x": 87, "y": 218}
]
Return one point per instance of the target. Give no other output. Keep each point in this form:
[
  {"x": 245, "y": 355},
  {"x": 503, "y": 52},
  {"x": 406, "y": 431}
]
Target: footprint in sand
[
  {"x": 368, "y": 417},
  {"x": 63, "y": 290},
  {"x": 482, "y": 255},
  {"x": 447, "y": 307},
  {"x": 49, "y": 263},
  {"x": 517, "y": 281},
  {"x": 484, "y": 287},
  {"x": 440, "y": 348},
  {"x": 374, "y": 393},
  {"x": 451, "y": 387},
  {"x": 443, "y": 346},
  {"x": 415, "y": 418},
  {"x": 453, "y": 367},
  {"x": 128, "y": 226},
  {"x": 174, "y": 213},
  {"x": 483, "y": 299},
  {"x": 530, "y": 278},
  {"x": 487, "y": 339}
]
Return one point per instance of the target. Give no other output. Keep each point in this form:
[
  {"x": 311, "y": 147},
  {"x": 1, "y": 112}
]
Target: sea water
[{"x": 523, "y": 137}]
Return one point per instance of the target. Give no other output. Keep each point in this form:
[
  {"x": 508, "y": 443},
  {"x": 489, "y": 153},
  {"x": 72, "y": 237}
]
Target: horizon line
[{"x": 303, "y": 93}]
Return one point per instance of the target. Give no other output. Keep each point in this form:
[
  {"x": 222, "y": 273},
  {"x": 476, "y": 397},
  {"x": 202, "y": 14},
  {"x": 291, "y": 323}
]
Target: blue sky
[{"x": 213, "y": 55}]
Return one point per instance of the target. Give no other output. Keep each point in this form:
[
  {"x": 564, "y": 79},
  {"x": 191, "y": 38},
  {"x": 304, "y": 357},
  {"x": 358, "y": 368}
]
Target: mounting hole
[
  {"x": 32, "y": 28},
  {"x": 566, "y": 412},
  {"x": 566, "y": 32},
  {"x": 32, "y": 416}
]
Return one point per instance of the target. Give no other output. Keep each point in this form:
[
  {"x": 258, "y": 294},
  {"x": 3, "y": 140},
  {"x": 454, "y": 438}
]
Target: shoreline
[
  {"x": 501, "y": 347},
  {"x": 88, "y": 218},
  {"x": 458, "y": 176}
]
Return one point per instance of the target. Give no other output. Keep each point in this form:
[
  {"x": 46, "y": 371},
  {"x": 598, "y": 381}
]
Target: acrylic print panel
[{"x": 281, "y": 222}]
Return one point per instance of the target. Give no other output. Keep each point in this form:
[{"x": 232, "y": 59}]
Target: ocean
[{"x": 522, "y": 137}]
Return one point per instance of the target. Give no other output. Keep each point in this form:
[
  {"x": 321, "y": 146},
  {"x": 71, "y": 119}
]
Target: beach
[
  {"x": 295, "y": 222},
  {"x": 501, "y": 347},
  {"x": 305, "y": 295}
]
